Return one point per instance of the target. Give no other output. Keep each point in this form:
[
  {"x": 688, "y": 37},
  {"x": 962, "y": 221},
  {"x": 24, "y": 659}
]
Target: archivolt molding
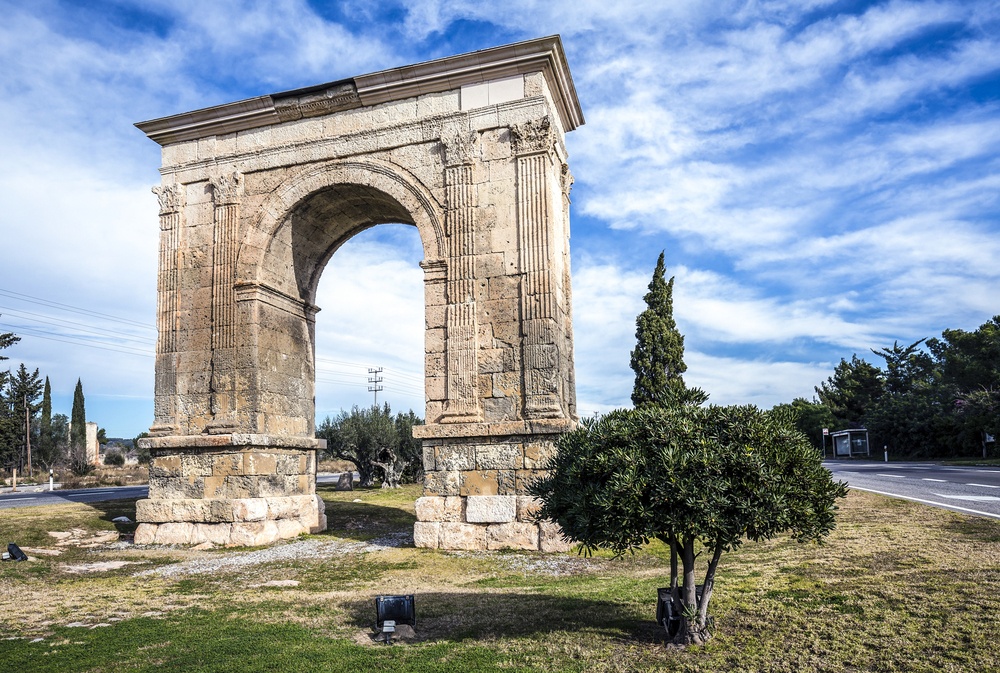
[{"x": 390, "y": 179}]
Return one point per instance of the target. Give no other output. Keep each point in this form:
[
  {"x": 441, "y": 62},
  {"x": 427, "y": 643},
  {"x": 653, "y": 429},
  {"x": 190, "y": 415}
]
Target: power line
[
  {"x": 82, "y": 327},
  {"x": 67, "y": 307},
  {"x": 68, "y": 340}
]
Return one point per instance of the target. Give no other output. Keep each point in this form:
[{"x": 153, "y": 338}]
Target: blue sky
[{"x": 823, "y": 176}]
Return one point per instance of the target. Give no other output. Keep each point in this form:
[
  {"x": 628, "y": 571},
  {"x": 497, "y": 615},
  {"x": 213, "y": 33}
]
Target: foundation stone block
[
  {"x": 490, "y": 508},
  {"x": 466, "y": 536},
  {"x": 513, "y": 535},
  {"x": 551, "y": 538},
  {"x": 426, "y": 534}
]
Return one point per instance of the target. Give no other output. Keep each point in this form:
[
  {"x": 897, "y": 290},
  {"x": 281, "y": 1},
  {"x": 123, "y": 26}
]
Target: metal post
[
  {"x": 885, "y": 449},
  {"x": 51, "y": 480}
]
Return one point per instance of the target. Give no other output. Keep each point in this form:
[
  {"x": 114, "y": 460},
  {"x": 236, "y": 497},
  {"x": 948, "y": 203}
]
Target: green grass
[{"x": 898, "y": 587}]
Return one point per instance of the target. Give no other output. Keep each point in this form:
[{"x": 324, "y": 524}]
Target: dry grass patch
[{"x": 898, "y": 587}]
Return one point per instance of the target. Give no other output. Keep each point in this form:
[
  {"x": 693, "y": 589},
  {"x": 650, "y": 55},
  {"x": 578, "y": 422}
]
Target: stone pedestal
[
  {"x": 234, "y": 490},
  {"x": 476, "y": 486}
]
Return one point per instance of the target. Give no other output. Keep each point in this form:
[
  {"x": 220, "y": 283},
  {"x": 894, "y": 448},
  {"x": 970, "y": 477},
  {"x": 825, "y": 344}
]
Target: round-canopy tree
[{"x": 699, "y": 479}]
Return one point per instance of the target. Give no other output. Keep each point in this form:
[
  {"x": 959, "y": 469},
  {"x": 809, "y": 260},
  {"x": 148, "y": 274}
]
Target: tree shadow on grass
[
  {"x": 365, "y": 521},
  {"x": 459, "y": 616}
]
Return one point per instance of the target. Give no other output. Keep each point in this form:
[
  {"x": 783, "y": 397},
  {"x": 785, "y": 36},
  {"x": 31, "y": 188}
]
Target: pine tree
[
  {"x": 658, "y": 358},
  {"x": 7, "y": 339}
]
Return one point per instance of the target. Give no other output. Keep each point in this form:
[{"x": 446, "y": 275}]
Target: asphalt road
[
  {"x": 971, "y": 490},
  {"x": 29, "y": 496}
]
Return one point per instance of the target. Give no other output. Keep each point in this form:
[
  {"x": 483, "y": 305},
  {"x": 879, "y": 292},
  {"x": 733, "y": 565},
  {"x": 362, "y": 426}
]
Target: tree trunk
[
  {"x": 694, "y": 629},
  {"x": 706, "y": 592}
]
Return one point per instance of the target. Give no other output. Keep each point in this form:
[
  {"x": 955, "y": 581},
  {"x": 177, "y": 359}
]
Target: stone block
[
  {"x": 537, "y": 455},
  {"x": 527, "y": 507},
  {"x": 446, "y": 482},
  {"x": 513, "y": 535},
  {"x": 429, "y": 508},
  {"x": 259, "y": 463},
  {"x": 153, "y": 511},
  {"x": 190, "y": 510},
  {"x": 227, "y": 464},
  {"x": 490, "y": 508},
  {"x": 468, "y": 536},
  {"x": 429, "y": 461},
  {"x": 165, "y": 466},
  {"x": 524, "y": 478},
  {"x": 504, "y": 456},
  {"x": 551, "y": 538},
  {"x": 478, "y": 482},
  {"x": 216, "y": 533},
  {"x": 250, "y": 509},
  {"x": 145, "y": 533},
  {"x": 454, "y": 509},
  {"x": 289, "y": 528},
  {"x": 426, "y": 534},
  {"x": 196, "y": 465},
  {"x": 174, "y": 533},
  {"x": 246, "y": 534},
  {"x": 215, "y": 487},
  {"x": 220, "y": 510},
  {"x": 455, "y": 457}
]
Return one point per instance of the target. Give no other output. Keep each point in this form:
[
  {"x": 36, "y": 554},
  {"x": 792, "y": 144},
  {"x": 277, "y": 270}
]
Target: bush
[{"x": 114, "y": 457}]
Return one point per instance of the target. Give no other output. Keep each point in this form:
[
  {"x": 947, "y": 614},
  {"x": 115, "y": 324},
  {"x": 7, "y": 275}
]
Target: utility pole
[
  {"x": 27, "y": 432},
  {"x": 375, "y": 380}
]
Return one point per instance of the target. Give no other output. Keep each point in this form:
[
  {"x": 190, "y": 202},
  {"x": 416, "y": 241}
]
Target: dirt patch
[
  {"x": 77, "y": 537},
  {"x": 98, "y": 566}
]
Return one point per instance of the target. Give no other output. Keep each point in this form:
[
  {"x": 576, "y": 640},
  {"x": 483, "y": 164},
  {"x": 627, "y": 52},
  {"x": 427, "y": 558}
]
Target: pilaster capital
[
  {"x": 227, "y": 189},
  {"x": 532, "y": 136},
  {"x": 461, "y": 147},
  {"x": 170, "y": 198}
]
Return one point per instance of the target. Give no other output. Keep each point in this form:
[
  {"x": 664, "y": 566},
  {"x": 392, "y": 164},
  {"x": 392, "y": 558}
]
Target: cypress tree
[
  {"x": 78, "y": 419},
  {"x": 658, "y": 358},
  {"x": 46, "y": 441}
]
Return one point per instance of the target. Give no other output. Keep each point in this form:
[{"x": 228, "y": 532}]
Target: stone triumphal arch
[{"x": 257, "y": 196}]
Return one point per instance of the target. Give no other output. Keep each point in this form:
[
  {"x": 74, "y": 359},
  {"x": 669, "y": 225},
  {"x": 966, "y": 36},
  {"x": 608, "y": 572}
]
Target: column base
[{"x": 240, "y": 522}]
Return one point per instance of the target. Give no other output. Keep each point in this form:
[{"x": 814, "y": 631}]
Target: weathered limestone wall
[
  {"x": 475, "y": 494},
  {"x": 256, "y": 198}
]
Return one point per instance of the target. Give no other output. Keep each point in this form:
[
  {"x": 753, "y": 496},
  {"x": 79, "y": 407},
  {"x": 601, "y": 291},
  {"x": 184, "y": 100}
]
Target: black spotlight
[
  {"x": 15, "y": 554},
  {"x": 392, "y": 611}
]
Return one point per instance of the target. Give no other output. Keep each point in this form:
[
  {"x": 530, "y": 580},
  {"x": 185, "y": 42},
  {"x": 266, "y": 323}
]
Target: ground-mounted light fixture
[
  {"x": 14, "y": 553},
  {"x": 393, "y": 611}
]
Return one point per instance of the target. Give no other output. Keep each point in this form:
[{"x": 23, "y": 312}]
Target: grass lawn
[{"x": 898, "y": 587}]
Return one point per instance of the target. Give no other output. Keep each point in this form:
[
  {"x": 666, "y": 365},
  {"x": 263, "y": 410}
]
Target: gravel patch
[
  {"x": 302, "y": 549},
  {"x": 540, "y": 564}
]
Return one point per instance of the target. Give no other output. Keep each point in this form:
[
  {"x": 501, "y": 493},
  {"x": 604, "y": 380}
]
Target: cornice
[{"x": 543, "y": 55}]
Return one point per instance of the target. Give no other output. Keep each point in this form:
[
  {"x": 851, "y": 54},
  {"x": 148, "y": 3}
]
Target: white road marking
[
  {"x": 929, "y": 502},
  {"x": 894, "y": 476},
  {"x": 929, "y": 479},
  {"x": 974, "y": 498},
  {"x": 983, "y": 485}
]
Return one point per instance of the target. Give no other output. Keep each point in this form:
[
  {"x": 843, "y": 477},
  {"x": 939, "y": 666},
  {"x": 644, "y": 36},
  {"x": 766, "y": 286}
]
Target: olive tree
[
  {"x": 372, "y": 439},
  {"x": 702, "y": 480}
]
